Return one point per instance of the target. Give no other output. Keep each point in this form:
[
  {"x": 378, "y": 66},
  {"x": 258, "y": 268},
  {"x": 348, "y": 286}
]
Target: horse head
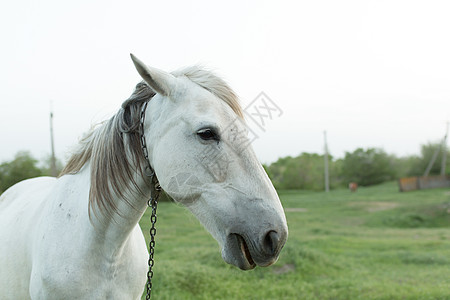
[{"x": 199, "y": 149}]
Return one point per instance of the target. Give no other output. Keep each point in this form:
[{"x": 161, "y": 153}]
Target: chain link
[{"x": 155, "y": 191}]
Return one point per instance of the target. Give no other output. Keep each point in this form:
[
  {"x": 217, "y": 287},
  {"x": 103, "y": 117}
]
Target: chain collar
[{"x": 155, "y": 190}]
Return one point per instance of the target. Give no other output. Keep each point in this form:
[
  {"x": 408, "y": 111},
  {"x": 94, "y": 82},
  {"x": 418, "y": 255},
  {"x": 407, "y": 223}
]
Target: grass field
[{"x": 376, "y": 243}]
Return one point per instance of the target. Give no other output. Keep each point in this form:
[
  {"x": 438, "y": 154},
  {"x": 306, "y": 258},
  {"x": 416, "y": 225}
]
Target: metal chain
[
  {"x": 155, "y": 191},
  {"x": 152, "y": 202}
]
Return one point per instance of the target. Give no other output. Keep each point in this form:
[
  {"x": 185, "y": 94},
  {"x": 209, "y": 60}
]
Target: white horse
[{"x": 77, "y": 236}]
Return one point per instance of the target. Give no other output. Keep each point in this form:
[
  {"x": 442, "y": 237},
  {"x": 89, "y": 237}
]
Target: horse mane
[{"x": 104, "y": 145}]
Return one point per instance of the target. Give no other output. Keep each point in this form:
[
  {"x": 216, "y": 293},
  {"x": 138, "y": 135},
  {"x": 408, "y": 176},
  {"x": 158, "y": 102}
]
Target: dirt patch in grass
[
  {"x": 295, "y": 209},
  {"x": 374, "y": 206},
  {"x": 284, "y": 269}
]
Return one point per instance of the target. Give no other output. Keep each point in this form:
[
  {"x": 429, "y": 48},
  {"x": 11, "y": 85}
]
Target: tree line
[
  {"x": 364, "y": 166},
  {"x": 306, "y": 171}
]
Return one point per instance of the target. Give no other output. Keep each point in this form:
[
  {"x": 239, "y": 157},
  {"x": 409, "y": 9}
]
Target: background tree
[
  {"x": 368, "y": 167},
  {"x": 23, "y": 166},
  {"x": 305, "y": 171},
  {"x": 406, "y": 166},
  {"x": 418, "y": 166}
]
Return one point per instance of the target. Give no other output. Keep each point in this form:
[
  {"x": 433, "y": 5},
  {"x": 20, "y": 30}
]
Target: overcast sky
[{"x": 370, "y": 73}]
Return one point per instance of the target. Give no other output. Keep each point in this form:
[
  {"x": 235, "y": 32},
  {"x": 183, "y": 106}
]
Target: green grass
[{"x": 376, "y": 243}]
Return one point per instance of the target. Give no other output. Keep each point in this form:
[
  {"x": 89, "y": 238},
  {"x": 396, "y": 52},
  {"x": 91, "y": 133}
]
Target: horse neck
[{"x": 112, "y": 229}]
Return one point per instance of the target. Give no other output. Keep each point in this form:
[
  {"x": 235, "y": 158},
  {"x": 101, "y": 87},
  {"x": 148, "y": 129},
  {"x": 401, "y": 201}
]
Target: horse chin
[{"x": 236, "y": 252}]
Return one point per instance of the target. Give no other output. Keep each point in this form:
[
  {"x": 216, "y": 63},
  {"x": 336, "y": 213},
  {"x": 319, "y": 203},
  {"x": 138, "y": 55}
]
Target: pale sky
[{"x": 370, "y": 73}]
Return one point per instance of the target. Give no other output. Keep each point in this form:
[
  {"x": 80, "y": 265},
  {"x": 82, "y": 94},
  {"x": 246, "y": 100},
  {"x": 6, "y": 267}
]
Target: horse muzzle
[{"x": 247, "y": 252}]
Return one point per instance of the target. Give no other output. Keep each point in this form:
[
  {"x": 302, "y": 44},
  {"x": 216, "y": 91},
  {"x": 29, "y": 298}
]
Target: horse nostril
[{"x": 271, "y": 241}]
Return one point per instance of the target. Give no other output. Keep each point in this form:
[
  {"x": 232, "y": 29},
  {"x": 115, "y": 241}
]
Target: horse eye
[{"x": 208, "y": 134}]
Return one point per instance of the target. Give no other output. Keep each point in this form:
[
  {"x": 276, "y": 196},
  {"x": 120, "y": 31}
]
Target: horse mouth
[{"x": 245, "y": 251}]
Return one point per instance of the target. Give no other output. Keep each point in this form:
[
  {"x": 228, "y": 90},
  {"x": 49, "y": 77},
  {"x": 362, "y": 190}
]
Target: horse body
[
  {"x": 77, "y": 236},
  {"x": 20, "y": 210},
  {"x": 58, "y": 253}
]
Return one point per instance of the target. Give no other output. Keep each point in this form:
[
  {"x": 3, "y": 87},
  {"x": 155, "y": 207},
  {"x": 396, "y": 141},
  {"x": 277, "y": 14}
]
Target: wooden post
[
  {"x": 325, "y": 158},
  {"x": 52, "y": 158},
  {"x": 444, "y": 152}
]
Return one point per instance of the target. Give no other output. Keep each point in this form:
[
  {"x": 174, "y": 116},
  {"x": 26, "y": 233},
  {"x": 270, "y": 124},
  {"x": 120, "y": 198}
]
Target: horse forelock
[
  {"x": 214, "y": 84},
  {"x": 113, "y": 162}
]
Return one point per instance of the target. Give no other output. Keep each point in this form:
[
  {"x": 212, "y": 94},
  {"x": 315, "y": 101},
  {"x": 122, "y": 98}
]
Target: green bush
[
  {"x": 368, "y": 167},
  {"x": 23, "y": 166}
]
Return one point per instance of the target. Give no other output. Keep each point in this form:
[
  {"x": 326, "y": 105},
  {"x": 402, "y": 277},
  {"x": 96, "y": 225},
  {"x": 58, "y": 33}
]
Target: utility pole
[
  {"x": 444, "y": 152},
  {"x": 431, "y": 163},
  {"x": 325, "y": 158},
  {"x": 52, "y": 158},
  {"x": 443, "y": 148}
]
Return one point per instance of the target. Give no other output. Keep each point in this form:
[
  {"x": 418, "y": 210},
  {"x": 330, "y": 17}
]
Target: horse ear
[{"x": 160, "y": 81}]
